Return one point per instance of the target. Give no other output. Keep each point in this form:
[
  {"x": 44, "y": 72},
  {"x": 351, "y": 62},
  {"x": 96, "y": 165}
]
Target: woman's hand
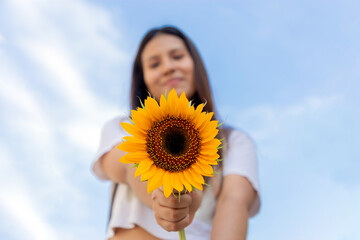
[{"x": 173, "y": 214}]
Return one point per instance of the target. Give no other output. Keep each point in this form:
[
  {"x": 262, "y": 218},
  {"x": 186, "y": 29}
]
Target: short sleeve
[
  {"x": 111, "y": 135},
  {"x": 241, "y": 159}
]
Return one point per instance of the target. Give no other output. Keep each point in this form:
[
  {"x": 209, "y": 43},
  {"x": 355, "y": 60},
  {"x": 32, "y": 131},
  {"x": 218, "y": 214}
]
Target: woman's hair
[{"x": 138, "y": 87}]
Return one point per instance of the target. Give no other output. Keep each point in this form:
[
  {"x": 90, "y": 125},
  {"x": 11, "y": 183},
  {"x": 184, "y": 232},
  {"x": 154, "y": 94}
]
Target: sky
[{"x": 285, "y": 72}]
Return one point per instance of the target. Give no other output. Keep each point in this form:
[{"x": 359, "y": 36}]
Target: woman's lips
[{"x": 172, "y": 82}]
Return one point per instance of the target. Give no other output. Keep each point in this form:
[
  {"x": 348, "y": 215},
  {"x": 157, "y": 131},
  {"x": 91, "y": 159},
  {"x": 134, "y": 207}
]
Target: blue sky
[{"x": 286, "y": 72}]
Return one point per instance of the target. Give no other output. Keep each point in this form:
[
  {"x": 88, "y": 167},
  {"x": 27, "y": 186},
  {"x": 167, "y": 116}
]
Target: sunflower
[{"x": 172, "y": 145}]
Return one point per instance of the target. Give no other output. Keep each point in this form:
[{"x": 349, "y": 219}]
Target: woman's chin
[{"x": 179, "y": 90}]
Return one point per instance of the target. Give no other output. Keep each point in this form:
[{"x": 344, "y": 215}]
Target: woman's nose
[{"x": 168, "y": 66}]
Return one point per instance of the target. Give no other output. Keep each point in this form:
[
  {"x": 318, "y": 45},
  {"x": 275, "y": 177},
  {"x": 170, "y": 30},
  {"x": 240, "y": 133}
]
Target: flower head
[{"x": 173, "y": 143}]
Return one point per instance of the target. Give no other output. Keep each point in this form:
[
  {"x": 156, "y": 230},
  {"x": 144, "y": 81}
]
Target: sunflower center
[
  {"x": 173, "y": 144},
  {"x": 175, "y": 141}
]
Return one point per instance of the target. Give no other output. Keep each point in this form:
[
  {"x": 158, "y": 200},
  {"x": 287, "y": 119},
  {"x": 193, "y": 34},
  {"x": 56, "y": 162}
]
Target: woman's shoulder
[
  {"x": 117, "y": 119},
  {"x": 238, "y": 136},
  {"x": 112, "y": 128},
  {"x": 114, "y": 122}
]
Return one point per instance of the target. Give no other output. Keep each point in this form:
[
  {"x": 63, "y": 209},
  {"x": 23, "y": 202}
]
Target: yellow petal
[
  {"x": 172, "y": 101},
  {"x": 146, "y": 117},
  {"x": 134, "y": 157},
  {"x": 140, "y": 119},
  {"x": 176, "y": 181},
  {"x": 156, "y": 180},
  {"x": 199, "y": 119},
  {"x": 190, "y": 112},
  {"x": 144, "y": 165},
  {"x": 152, "y": 107},
  {"x": 206, "y": 160},
  {"x": 167, "y": 184},
  {"x": 197, "y": 176},
  {"x": 131, "y": 147},
  {"x": 209, "y": 150},
  {"x": 198, "y": 111},
  {"x": 211, "y": 157},
  {"x": 183, "y": 106},
  {"x": 214, "y": 143},
  {"x": 205, "y": 121},
  {"x": 149, "y": 173},
  {"x": 133, "y": 130},
  {"x": 185, "y": 182},
  {"x": 191, "y": 180},
  {"x": 206, "y": 168},
  {"x": 163, "y": 106},
  {"x": 198, "y": 169},
  {"x": 198, "y": 186},
  {"x": 134, "y": 139},
  {"x": 124, "y": 159},
  {"x": 208, "y": 135},
  {"x": 211, "y": 127},
  {"x": 138, "y": 155}
]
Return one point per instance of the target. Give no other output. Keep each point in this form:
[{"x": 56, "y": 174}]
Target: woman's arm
[
  {"x": 123, "y": 173},
  {"x": 111, "y": 166},
  {"x": 232, "y": 209}
]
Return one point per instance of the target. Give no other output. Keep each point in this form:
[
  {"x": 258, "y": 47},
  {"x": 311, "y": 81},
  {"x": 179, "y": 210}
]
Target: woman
[{"x": 167, "y": 59}]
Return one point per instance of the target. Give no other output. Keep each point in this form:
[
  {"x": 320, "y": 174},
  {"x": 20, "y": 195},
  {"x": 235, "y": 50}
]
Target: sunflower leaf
[
  {"x": 205, "y": 102},
  {"x": 142, "y": 104},
  {"x": 219, "y": 160},
  {"x": 131, "y": 120},
  {"x": 191, "y": 102},
  {"x": 135, "y": 165},
  {"x": 221, "y": 139},
  {"x": 222, "y": 146},
  {"x": 175, "y": 195},
  {"x": 220, "y": 124},
  {"x": 149, "y": 94}
]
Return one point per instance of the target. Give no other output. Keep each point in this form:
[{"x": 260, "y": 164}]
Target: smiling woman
[
  {"x": 167, "y": 60},
  {"x": 168, "y": 64}
]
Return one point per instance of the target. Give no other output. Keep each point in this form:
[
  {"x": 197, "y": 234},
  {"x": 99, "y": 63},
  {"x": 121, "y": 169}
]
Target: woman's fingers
[
  {"x": 171, "y": 213},
  {"x": 173, "y": 201},
  {"x": 174, "y": 226}
]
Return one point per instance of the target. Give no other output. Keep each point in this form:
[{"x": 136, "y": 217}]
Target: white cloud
[
  {"x": 263, "y": 121},
  {"x": 57, "y": 45},
  {"x": 24, "y": 110},
  {"x": 64, "y": 76},
  {"x": 30, "y": 126},
  {"x": 66, "y": 47},
  {"x": 18, "y": 204},
  {"x": 64, "y": 51}
]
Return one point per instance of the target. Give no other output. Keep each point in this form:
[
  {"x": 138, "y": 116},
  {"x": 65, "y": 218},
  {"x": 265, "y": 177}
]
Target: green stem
[{"x": 182, "y": 235}]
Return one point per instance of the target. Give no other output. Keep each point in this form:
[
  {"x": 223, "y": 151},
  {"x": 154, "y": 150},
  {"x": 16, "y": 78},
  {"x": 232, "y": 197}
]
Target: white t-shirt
[{"x": 128, "y": 210}]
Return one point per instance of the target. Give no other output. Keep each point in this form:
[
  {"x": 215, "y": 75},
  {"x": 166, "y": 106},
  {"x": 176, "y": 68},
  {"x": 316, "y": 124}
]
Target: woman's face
[{"x": 167, "y": 64}]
